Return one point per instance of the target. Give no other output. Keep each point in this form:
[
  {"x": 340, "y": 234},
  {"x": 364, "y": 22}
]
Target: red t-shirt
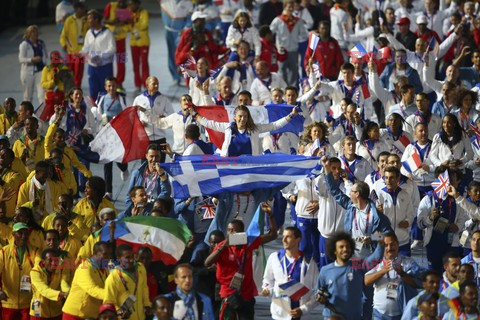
[{"x": 228, "y": 264}]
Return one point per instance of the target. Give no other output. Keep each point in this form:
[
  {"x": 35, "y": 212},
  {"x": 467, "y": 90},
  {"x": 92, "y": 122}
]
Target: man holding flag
[
  {"x": 441, "y": 218},
  {"x": 289, "y": 278}
]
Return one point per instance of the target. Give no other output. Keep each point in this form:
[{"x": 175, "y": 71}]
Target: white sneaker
[
  {"x": 124, "y": 175},
  {"x": 417, "y": 244},
  {"x": 109, "y": 196}
]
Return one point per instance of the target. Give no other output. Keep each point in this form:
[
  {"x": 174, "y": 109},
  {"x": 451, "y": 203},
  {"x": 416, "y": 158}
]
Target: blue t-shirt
[
  {"x": 240, "y": 144},
  {"x": 111, "y": 107}
]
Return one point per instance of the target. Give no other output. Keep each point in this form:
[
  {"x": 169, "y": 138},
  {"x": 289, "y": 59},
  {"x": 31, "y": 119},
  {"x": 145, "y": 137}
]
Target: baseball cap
[
  {"x": 422, "y": 20},
  {"x": 403, "y": 20},
  {"x": 107, "y": 307},
  {"x": 198, "y": 15},
  {"x": 19, "y": 226}
]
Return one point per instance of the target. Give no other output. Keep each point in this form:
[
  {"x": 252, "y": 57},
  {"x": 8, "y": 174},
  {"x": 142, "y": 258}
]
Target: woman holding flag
[
  {"x": 318, "y": 132},
  {"x": 370, "y": 144},
  {"x": 242, "y": 135}
]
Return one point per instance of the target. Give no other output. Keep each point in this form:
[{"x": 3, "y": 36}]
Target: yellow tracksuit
[
  {"x": 87, "y": 291},
  {"x": 46, "y": 289},
  {"x": 36, "y": 151},
  {"x": 77, "y": 229},
  {"x": 85, "y": 209},
  {"x": 11, "y": 275},
  {"x": 19, "y": 167},
  {"x": 116, "y": 290},
  {"x": 86, "y": 251},
  {"x": 70, "y": 33},
  {"x": 12, "y": 181},
  {"x": 139, "y": 29},
  {"x": 120, "y": 31},
  {"x": 6, "y": 122},
  {"x": 48, "y": 78}
]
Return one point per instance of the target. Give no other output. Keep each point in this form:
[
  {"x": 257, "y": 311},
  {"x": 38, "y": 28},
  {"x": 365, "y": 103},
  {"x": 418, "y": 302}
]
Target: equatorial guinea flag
[
  {"x": 122, "y": 140},
  {"x": 166, "y": 237}
]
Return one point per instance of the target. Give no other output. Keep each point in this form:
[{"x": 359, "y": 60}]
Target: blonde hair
[
  {"x": 29, "y": 30},
  {"x": 220, "y": 79},
  {"x": 308, "y": 130}
]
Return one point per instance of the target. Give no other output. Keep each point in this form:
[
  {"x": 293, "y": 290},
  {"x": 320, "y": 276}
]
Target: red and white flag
[
  {"x": 294, "y": 289},
  {"x": 122, "y": 140}
]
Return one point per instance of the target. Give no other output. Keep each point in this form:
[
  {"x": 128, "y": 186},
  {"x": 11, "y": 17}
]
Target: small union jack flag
[
  {"x": 73, "y": 137},
  {"x": 475, "y": 129},
  {"x": 441, "y": 184},
  {"x": 317, "y": 71},
  {"x": 207, "y": 209},
  {"x": 214, "y": 73},
  {"x": 189, "y": 68}
]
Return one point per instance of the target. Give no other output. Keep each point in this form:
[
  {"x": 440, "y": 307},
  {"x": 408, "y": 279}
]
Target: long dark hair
[
  {"x": 457, "y": 131},
  {"x": 238, "y": 16},
  {"x": 369, "y": 126},
  {"x": 251, "y": 126}
]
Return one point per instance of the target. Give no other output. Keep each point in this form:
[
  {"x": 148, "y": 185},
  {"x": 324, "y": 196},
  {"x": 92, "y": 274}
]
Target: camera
[{"x": 323, "y": 293}]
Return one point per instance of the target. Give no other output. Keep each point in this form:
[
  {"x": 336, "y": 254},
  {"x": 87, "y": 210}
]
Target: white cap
[
  {"x": 198, "y": 15},
  {"x": 422, "y": 20}
]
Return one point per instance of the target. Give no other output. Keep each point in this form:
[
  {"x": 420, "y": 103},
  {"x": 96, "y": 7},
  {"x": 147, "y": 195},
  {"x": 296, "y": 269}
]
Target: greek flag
[{"x": 203, "y": 175}]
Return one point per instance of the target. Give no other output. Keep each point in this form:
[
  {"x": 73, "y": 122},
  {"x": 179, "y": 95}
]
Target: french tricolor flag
[
  {"x": 261, "y": 115},
  {"x": 313, "y": 41},
  {"x": 358, "y": 51},
  {"x": 413, "y": 162},
  {"x": 294, "y": 289}
]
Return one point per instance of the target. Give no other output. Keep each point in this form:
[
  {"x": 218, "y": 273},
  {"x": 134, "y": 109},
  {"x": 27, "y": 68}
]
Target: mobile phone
[
  {"x": 163, "y": 147},
  {"x": 376, "y": 237},
  {"x": 238, "y": 238}
]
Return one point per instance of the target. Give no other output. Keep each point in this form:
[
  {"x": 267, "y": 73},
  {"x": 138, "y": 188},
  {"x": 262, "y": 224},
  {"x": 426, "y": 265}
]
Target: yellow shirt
[
  {"x": 46, "y": 289},
  {"x": 6, "y": 123},
  {"x": 12, "y": 181},
  {"x": 87, "y": 291},
  {"x": 119, "y": 31},
  {"x": 70, "y": 159},
  {"x": 87, "y": 250},
  {"x": 35, "y": 237},
  {"x": 71, "y": 245},
  {"x": 19, "y": 167},
  {"x": 139, "y": 29},
  {"x": 70, "y": 34},
  {"x": 90, "y": 215},
  {"x": 35, "y": 150},
  {"x": 48, "y": 78},
  {"x": 77, "y": 229},
  {"x": 11, "y": 275},
  {"x": 116, "y": 287}
]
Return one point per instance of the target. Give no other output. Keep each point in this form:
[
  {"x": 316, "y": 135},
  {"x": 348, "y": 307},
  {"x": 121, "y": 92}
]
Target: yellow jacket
[
  {"x": 12, "y": 181},
  {"x": 46, "y": 289},
  {"x": 77, "y": 229},
  {"x": 6, "y": 123},
  {"x": 19, "y": 167},
  {"x": 11, "y": 275},
  {"x": 38, "y": 151},
  {"x": 56, "y": 189},
  {"x": 72, "y": 246},
  {"x": 87, "y": 291},
  {"x": 120, "y": 31},
  {"x": 86, "y": 251},
  {"x": 139, "y": 29},
  {"x": 116, "y": 292},
  {"x": 85, "y": 209},
  {"x": 70, "y": 159},
  {"x": 70, "y": 32},
  {"x": 35, "y": 237},
  {"x": 48, "y": 78}
]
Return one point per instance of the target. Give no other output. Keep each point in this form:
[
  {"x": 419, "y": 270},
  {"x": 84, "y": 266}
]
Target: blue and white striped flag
[{"x": 204, "y": 175}]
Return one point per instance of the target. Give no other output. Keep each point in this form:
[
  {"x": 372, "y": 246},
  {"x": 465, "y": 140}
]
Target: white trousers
[{"x": 29, "y": 82}]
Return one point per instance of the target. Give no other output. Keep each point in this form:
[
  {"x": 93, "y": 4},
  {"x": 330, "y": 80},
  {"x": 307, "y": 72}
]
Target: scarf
[
  {"x": 289, "y": 21},
  {"x": 37, "y": 52},
  {"x": 188, "y": 300},
  {"x": 36, "y": 185},
  {"x": 424, "y": 117},
  {"x": 151, "y": 98}
]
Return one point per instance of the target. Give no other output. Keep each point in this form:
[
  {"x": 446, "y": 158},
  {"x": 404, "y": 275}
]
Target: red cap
[
  {"x": 107, "y": 307},
  {"x": 403, "y": 20}
]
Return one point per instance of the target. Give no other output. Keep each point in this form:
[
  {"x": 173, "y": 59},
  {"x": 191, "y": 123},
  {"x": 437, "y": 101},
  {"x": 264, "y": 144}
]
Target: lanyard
[
  {"x": 292, "y": 265},
  {"x": 18, "y": 258},
  {"x": 238, "y": 204},
  {"x": 35, "y": 141},
  {"x": 111, "y": 104},
  {"x": 366, "y": 224},
  {"x": 351, "y": 175},
  {"x": 149, "y": 184},
  {"x": 267, "y": 83},
  {"x": 124, "y": 282}
]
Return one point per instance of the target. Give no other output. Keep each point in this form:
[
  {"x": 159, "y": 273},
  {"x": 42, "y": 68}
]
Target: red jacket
[
  {"x": 270, "y": 55},
  {"x": 209, "y": 50},
  {"x": 329, "y": 56}
]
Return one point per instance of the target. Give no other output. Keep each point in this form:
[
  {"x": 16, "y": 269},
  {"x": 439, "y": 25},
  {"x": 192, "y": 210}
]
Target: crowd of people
[{"x": 388, "y": 96}]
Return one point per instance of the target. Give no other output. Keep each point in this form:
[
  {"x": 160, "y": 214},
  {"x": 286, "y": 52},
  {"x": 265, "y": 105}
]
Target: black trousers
[{"x": 108, "y": 173}]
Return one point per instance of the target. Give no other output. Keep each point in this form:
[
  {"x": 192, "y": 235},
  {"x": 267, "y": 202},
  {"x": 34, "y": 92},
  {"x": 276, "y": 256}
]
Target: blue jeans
[
  {"x": 172, "y": 42},
  {"x": 378, "y": 316}
]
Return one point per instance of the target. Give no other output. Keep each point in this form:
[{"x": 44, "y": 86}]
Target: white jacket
[
  {"x": 330, "y": 213},
  {"x": 25, "y": 55},
  {"x": 408, "y": 186},
  {"x": 275, "y": 275},
  {"x": 424, "y": 222},
  {"x": 371, "y": 155},
  {"x": 286, "y": 38},
  {"x": 197, "y": 94},
  {"x": 254, "y": 135},
  {"x": 402, "y": 210},
  {"x": 434, "y": 126},
  {"x": 250, "y": 35},
  {"x": 419, "y": 177},
  {"x": 260, "y": 92},
  {"x": 103, "y": 45},
  {"x": 161, "y": 108},
  {"x": 442, "y": 152},
  {"x": 178, "y": 123}
]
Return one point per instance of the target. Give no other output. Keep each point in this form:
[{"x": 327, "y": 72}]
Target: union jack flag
[
  {"x": 206, "y": 209},
  {"x": 317, "y": 71},
  {"x": 189, "y": 68},
  {"x": 475, "y": 129},
  {"x": 73, "y": 137},
  {"x": 441, "y": 184},
  {"x": 214, "y": 73}
]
